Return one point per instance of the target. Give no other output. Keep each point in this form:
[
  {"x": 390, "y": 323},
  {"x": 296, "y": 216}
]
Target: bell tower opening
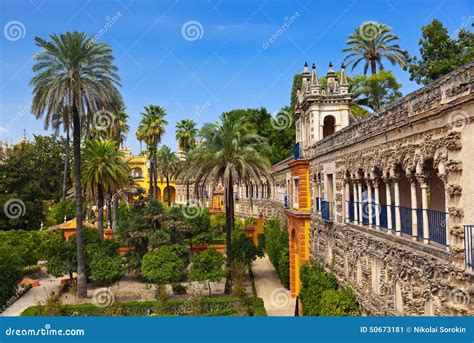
[{"x": 329, "y": 125}]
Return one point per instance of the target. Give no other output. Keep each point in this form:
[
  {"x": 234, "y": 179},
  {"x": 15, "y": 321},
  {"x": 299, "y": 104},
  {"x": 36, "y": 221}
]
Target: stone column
[
  {"x": 359, "y": 189},
  {"x": 414, "y": 206},
  {"x": 398, "y": 221},
  {"x": 369, "y": 201},
  {"x": 424, "y": 206},
  {"x": 348, "y": 198},
  {"x": 356, "y": 197},
  {"x": 389, "y": 204},
  {"x": 377, "y": 203}
]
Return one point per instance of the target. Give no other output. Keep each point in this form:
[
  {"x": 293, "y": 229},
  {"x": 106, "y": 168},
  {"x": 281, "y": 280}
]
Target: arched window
[
  {"x": 137, "y": 173},
  {"x": 329, "y": 126}
]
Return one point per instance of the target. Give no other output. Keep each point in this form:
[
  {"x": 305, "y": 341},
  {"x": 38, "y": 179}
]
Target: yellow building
[{"x": 139, "y": 171}]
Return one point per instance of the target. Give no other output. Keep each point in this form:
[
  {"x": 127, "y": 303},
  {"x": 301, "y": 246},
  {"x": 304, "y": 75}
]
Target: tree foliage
[
  {"x": 440, "y": 53},
  {"x": 207, "y": 267},
  {"x": 162, "y": 266},
  {"x": 339, "y": 303},
  {"x": 277, "y": 247}
]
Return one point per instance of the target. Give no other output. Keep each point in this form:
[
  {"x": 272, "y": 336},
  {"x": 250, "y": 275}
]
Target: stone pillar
[
  {"x": 398, "y": 221},
  {"x": 348, "y": 198},
  {"x": 356, "y": 197},
  {"x": 414, "y": 206},
  {"x": 389, "y": 204},
  {"x": 359, "y": 190},
  {"x": 424, "y": 206},
  {"x": 377, "y": 203},
  {"x": 369, "y": 201}
]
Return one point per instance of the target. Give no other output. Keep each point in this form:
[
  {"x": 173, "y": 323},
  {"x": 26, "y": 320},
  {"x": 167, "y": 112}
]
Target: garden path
[
  {"x": 277, "y": 299},
  {"x": 37, "y": 294}
]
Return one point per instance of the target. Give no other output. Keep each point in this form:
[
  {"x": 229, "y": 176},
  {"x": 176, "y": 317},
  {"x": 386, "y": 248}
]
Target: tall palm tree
[
  {"x": 231, "y": 153},
  {"x": 371, "y": 43},
  {"x": 186, "y": 136},
  {"x": 62, "y": 121},
  {"x": 104, "y": 171},
  {"x": 167, "y": 162},
  {"x": 151, "y": 130},
  {"x": 75, "y": 72}
]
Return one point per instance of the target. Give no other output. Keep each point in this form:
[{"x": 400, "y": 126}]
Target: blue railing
[
  {"x": 285, "y": 200},
  {"x": 318, "y": 206},
  {"x": 469, "y": 246},
  {"x": 350, "y": 205},
  {"x": 437, "y": 222},
  {"x": 405, "y": 220},
  {"x": 296, "y": 151},
  {"x": 419, "y": 222},
  {"x": 326, "y": 211},
  {"x": 383, "y": 216},
  {"x": 365, "y": 213}
]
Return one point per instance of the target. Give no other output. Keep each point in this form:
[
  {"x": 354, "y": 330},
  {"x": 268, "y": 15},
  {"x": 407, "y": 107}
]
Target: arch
[
  {"x": 158, "y": 195},
  {"x": 329, "y": 125},
  {"x": 137, "y": 173},
  {"x": 172, "y": 194}
]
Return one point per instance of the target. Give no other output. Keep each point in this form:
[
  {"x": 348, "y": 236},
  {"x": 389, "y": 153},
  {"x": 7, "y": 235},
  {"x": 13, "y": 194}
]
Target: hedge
[
  {"x": 277, "y": 247},
  {"x": 222, "y": 306}
]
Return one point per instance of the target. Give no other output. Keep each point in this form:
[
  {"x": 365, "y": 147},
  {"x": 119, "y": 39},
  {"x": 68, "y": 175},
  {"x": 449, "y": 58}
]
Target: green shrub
[
  {"x": 29, "y": 270},
  {"x": 106, "y": 269},
  {"x": 179, "y": 288},
  {"x": 243, "y": 249},
  {"x": 207, "y": 266},
  {"x": 10, "y": 273},
  {"x": 314, "y": 281},
  {"x": 277, "y": 247},
  {"x": 222, "y": 306},
  {"x": 339, "y": 303},
  {"x": 162, "y": 266}
]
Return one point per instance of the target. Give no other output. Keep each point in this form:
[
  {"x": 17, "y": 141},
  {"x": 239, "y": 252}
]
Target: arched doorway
[
  {"x": 329, "y": 125},
  {"x": 172, "y": 194}
]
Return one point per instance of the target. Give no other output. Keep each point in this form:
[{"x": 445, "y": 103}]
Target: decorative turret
[
  {"x": 314, "y": 82},
  {"x": 305, "y": 78},
  {"x": 344, "y": 86}
]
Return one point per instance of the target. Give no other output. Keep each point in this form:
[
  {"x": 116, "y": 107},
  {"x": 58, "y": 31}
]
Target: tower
[{"x": 322, "y": 107}]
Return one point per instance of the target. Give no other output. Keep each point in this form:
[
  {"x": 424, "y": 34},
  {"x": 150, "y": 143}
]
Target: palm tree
[
  {"x": 104, "y": 171},
  {"x": 186, "y": 136},
  {"x": 167, "y": 162},
  {"x": 75, "y": 72},
  {"x": 151, "y": 130},
  {"x": 231, "y": 153},
  {"x": 370, "y": 43},
  {"x": 62, "y": 120}
]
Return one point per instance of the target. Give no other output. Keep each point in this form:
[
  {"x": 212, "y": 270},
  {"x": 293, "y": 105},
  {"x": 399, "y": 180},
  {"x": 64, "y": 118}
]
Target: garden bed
[{"x": 221, "y": 306}]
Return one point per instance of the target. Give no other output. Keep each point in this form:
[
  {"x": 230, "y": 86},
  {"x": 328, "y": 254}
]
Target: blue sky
[{"x": 229, "y": 64}]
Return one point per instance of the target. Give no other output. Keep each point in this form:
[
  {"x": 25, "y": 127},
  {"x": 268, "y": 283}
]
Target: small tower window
[{"x": 329, "y": 126}]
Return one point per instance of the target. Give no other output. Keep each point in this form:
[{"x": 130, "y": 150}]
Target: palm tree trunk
[
  {"x": 115, "y": 212},
  {"x": 81, "y": 256},
  {"x": 155, "y": 175},
  {"x": 373, "y": 67},
  {"x": 150, "y": 175},
  {"x": 100, "y": 213},
  {"x": 187, "y": 192},
  {"x": 66, "y": 164},
  {"x": 229, "y": 227},
  {"x": 108, "y": 213},
  {"x": 168, "y": 189}
]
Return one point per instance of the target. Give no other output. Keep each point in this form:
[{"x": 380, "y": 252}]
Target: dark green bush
[
  {"x": 339, "y": 303},
  {"x": 320, "y": 296},
  {"x": 223, "y": 306},
  {"x": 314, "y": 281},
  {"x": 277, "y": 247},
  {"x": 10, "y": 273},
  {"x": 179, "y": 288}
]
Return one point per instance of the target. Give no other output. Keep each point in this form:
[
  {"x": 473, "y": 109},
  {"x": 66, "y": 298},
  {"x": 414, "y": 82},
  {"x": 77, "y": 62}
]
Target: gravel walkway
[{"x": 278, "y": 301}]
